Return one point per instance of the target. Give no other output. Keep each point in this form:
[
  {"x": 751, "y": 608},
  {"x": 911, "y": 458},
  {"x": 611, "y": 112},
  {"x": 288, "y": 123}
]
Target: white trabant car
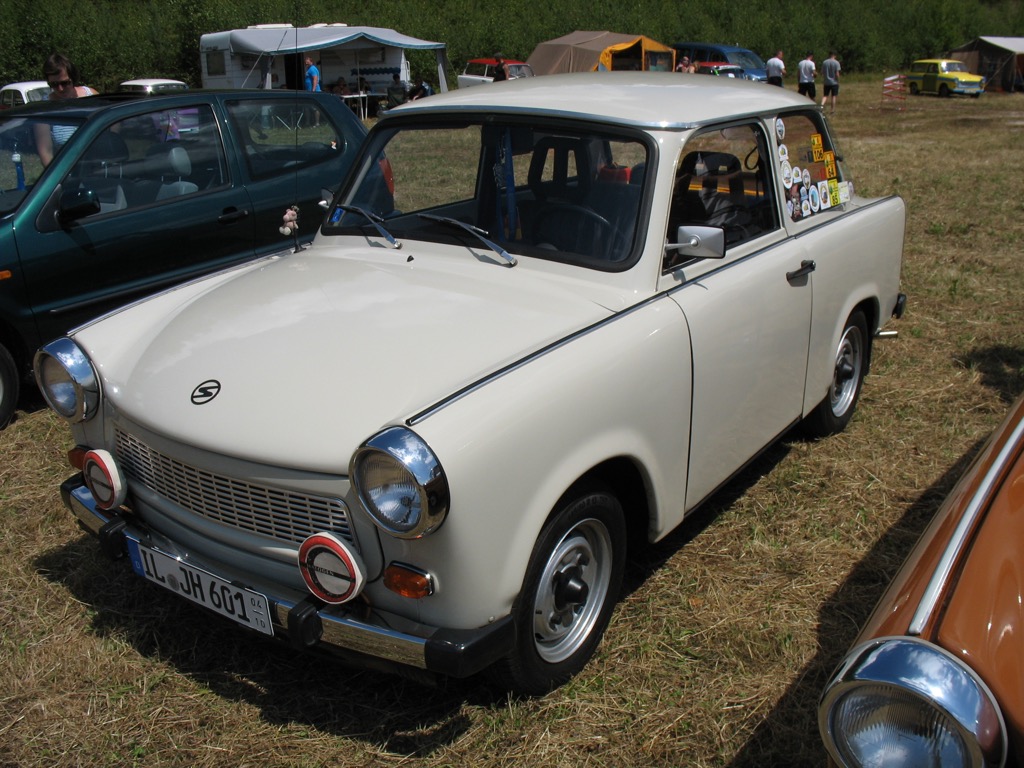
[{"x": 584, "y": 303}]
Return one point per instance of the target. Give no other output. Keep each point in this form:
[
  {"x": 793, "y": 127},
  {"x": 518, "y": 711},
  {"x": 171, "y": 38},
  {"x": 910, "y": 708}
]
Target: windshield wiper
[
  {"x": 478, "y": 233},
  {"x": 373, "y": 219}
]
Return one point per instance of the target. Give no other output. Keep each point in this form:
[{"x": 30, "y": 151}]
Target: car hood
[{"x": 315, "y": 352}]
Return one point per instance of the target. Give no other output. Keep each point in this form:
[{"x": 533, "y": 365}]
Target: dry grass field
[{"x": 716, "y": 653}]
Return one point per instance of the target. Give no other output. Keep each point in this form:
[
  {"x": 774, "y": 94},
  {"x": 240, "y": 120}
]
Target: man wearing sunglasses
[{"x": 62, "y": 77}]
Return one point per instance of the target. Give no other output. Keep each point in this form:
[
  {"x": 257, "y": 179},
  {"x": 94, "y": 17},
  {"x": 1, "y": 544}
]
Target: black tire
[
  {"x": 10, "y": 386},
  {"x": 943, "y": 91},
  {"x": 834, "y": 412},
  {"x": 914, "y": 90},
  {"x": 571, "y": 586}
]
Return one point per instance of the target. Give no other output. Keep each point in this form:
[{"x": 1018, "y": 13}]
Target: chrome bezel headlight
[
  {"x": 400, "y": 483},
  {"x": 68, "y": 380},
  {"x": 904, "y": 701}
]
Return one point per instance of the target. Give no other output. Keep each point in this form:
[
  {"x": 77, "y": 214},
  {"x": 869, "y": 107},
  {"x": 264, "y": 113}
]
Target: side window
[
  {"x": 152, "y": 158},
  {"x": 281, "y": 136},
  {"x": 812, "y": 176},
  {"x": 723, "y": 180}
]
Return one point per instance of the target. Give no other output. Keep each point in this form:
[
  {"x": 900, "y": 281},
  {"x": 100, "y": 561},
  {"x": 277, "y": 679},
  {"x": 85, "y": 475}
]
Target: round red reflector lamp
[
  {"x": 104, "y": 480},
  {"x": 332, "y": 571}
]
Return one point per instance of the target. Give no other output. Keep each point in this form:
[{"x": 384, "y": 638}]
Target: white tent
[{"x": 252, "y": 57}]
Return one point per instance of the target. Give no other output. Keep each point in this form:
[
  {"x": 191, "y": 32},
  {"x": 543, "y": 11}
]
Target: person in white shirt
[
  {"x": 776, "y": 69},
  {"x": 806, "y": 72}
]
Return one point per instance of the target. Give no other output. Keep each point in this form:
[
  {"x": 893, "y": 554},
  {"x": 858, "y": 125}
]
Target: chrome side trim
[{"x": 930, "y": 598}]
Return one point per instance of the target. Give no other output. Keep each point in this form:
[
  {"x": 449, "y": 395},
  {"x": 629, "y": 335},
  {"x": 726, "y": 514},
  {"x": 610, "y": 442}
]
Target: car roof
[
  {"x": 646, "y": 99},
  {"x": 715, "y": 46},
  {"x": 935, "y": 61},
  {"x": 28, "y": 85},
  {"x": 85, "y": 106},
  {"x": 152, "y": 81},
  {"x": 493, "y": 62}
]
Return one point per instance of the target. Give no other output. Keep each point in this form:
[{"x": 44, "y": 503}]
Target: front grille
[{"x": 280, "y": 514}]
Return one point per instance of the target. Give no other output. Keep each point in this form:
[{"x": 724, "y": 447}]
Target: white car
[
  {"x": 585, "y": 302},
  {"x": 481, "y": 71},
  {"x": 153, "y": 85},
  {"x": 19, "y": 94}
]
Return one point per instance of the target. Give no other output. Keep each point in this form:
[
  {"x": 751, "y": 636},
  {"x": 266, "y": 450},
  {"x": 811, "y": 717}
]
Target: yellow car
[{"x": 944, "y": 77}]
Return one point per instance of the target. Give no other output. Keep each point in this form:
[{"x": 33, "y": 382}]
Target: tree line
[{"x": 114, "y": 40}]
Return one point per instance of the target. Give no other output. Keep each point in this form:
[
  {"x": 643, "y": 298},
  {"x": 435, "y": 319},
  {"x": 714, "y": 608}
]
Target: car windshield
[
  {"x": 955, "y": 66},
  {"x": 746, "y": 59},
  {"x": 20, "y": 166},
  {"x": 558, "y": 192}
]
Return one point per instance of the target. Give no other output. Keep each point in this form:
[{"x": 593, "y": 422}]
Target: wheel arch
[{"x": 624, "y": 478}]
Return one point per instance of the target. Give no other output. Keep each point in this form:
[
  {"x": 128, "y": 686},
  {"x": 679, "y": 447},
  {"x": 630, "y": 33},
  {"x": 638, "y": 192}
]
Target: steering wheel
[{"x": 579, "y": 229}]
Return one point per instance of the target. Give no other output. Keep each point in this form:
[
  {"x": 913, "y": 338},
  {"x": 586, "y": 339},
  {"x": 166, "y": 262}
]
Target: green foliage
[{"x": 110, "y": 40}]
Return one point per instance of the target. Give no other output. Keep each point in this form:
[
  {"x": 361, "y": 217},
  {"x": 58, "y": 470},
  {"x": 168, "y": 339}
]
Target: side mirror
[
  {"x": 693, "y": 242},
  {"x": 77, "y": 204},
  {"x": 326, "y": 196}
]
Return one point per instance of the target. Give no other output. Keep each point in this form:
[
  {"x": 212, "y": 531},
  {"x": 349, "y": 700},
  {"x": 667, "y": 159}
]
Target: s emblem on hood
[{"x": 205, "y": 392}]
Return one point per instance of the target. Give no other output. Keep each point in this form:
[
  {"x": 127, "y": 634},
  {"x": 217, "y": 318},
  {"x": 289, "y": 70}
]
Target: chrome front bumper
[{"x": 309, "y": 624}]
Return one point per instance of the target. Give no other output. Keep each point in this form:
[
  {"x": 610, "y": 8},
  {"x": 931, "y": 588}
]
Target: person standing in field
[
  {"x": 806, "y": 73},
  {"x": 830, "y": 69},
  {"x": 313, "y": 84},
  {"x": 776, "y": 69}
]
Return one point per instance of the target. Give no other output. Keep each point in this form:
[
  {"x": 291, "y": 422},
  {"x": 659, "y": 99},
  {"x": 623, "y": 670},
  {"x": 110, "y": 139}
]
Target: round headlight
[
  {"x": 400, "y": 483},
  {"x": 68, "y": 380},
  {"x": 902, "y": 701}
]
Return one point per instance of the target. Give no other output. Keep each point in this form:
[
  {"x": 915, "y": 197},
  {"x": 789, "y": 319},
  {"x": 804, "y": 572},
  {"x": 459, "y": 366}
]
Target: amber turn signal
[{"x": 407, "y": 581}]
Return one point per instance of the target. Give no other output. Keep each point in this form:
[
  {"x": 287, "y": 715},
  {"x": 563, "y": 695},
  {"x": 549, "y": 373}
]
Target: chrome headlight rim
[
  {"x": 77, "y": 376},
  {"x": 899, "y": 664},
  {"x": 407, "y": 453}
]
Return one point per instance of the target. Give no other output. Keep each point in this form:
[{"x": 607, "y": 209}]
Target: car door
[
  {"x": 141, "y": 203},
  {"x": 749, "y": 313},
  {"x": 931, "y": 79},
  {"x": 293, "y": 148}
]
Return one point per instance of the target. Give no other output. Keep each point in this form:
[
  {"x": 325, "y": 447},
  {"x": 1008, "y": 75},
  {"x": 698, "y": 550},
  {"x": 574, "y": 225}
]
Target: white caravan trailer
[{"x": 272, "y": 56}]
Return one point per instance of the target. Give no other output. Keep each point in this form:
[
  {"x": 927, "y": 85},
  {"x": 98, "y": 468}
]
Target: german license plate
[{"x": 236, "y": 603}]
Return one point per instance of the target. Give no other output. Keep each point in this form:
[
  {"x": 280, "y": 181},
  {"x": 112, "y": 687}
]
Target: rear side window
[
  {"x": 811, "y": 173},
  {"x": 282, "y": 136}
]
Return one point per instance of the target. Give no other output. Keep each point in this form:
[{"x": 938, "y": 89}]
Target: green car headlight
[
  {"x": 68, "y": 381},
  {"x": 400, "y": 483},
  {"x": 902, "y": 701}
]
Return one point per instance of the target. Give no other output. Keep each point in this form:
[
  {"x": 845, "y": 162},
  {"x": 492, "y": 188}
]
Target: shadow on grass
[
  {"x": 402, "y": 716},
  {"x": 1001, "y": 368},
  {"x": 789, "y": 734},
  {"x": 399, "y": 715}
]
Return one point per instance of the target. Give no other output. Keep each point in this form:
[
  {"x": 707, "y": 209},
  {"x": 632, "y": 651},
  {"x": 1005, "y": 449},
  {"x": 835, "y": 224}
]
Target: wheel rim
[
  {"x": 846, "y": 377},
  {"x": 572, "y": 591}
]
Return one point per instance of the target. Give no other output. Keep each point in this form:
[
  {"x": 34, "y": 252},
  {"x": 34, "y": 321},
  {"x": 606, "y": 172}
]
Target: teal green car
[{"x": 145, "y": 193}]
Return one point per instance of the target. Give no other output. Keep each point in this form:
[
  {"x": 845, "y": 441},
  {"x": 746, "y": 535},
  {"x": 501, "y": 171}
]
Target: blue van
[{"x": 752, "y": 64}]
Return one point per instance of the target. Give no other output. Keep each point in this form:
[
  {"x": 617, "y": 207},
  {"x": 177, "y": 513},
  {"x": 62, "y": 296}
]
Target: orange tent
[{"x": 588, "y": 51}]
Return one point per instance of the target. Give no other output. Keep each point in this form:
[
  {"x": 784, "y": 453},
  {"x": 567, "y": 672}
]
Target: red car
[{"x": 936, "y": 676}]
